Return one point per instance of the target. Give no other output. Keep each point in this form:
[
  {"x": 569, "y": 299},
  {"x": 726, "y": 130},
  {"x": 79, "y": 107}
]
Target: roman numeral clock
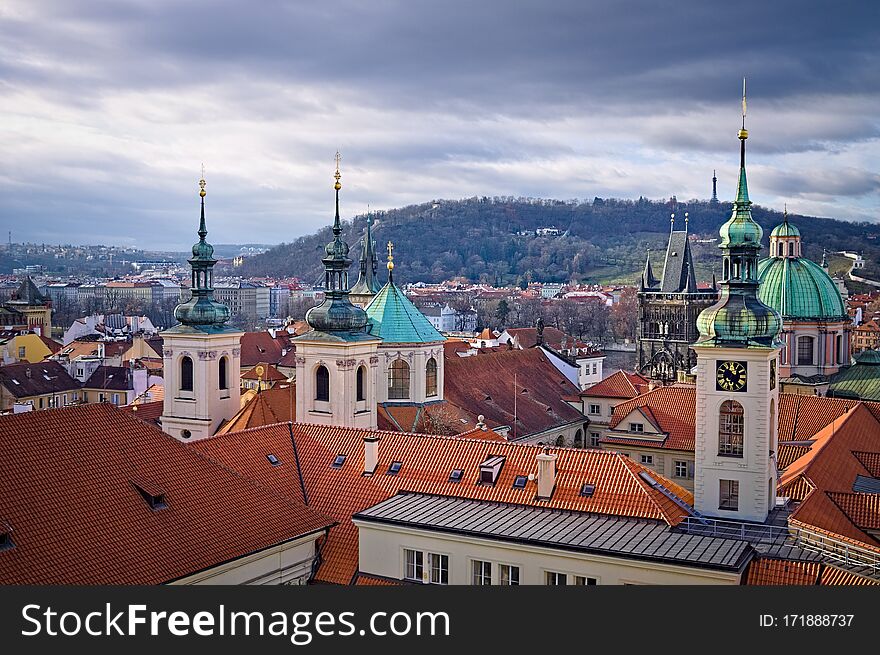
[{"x": 731, "y": 375}]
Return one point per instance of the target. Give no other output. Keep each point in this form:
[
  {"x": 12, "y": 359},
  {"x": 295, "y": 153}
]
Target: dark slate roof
[
  {"x": 25, "y": 380},
  {"x": 866, "y": 485},
  {"x": 567, "y": 530},
  {"x": 112, "y": 378},
  {"x": 678, "y": 269},
  {"x": 28, "y": 294}
]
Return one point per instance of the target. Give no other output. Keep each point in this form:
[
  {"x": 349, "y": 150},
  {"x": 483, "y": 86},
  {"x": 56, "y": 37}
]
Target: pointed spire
[
  {"x": 337, "y": 226},
  {"x": 824, "y": 258},
  {"x": 203, "y": 230},
  {"x": 648, "y": 279},
  {"x": 785, "y": 213},
  {"x": 742, "y": 191}
]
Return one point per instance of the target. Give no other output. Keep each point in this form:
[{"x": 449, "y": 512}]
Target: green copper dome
[
  {"x": 739, "y": 319},
  {"x": 799, "y": 289},
  {"x": 740, "y": 229},
  {"x": 393, "y": 317},
  {"x": 201, "y": 311},
  {"x": 785, "y": 229}
]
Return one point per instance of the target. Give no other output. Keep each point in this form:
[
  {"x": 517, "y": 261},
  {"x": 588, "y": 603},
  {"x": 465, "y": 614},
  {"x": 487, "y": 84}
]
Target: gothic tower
[
  {"x": 668, "y": 310},
  {"x": 201, "y": 355},
  {"x": 737, "y": 377},
  {"x": 367, "y": 284},
  {"x": 336, "y": 361}
]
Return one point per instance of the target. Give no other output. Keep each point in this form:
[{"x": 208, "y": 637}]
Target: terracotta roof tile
[
  {"x": 789, "y": 453},
  {"x": 860, "y": 508},
  {"x": 832, "y": 575},
  {"x": 77, "y": 517},
  {"x": 259, "y": 347},
  {"x": 618, "y": 385},
  {"x": 484, "y": 384},
  {"x": 766, "y": 571},
  {"x": 269, "y": 406},
  {"x": 672, "y": 408},
  {"x": 427, "y": 463},
  {"x": 147, "y": 411}
]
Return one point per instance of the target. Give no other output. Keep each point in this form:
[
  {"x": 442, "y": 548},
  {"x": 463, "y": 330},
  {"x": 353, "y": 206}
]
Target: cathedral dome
[
  {"x": 799, "y": 289},
  {"x": 785, "y": 229}
]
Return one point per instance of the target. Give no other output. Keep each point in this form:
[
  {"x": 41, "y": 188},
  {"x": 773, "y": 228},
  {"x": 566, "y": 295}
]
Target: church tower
[
  {"x": 337, "y": 361},
  {"x": 668, "y": 310},
  {"x": 737, "y": 377},
  {"x": 201, "y": 355},
  {"x": 367, "y": 284}
]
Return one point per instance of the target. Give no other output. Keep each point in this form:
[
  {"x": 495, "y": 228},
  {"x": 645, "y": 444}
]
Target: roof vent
[
  {"x": 155, "y": 496},
  {"x": 587, "y": 489},
  {"x": 274, "y": 461},
  {"x": 490, "y": 469}
]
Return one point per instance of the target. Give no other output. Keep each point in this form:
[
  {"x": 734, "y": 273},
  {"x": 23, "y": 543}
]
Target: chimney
[
  {"x": 546, "y": 474},
  {"x": 481, "y": 422},
  {"x": 371, "y": 454}
]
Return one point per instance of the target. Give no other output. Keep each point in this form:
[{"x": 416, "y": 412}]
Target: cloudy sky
[{"x": 109, "y": 108}]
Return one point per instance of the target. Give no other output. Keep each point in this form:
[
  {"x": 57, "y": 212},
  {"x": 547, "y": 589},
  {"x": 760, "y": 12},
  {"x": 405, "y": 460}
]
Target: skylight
[
  {"x": 587, "y": 489},
  {"x": 519, "y": 482},
  {"x": 394, "y": 469},
  {"x": 5, "y": 536},
  {"x": 338, "y": 462},
  {"x": 274, "y": 461},
  {"x": 456, "y": 474}
]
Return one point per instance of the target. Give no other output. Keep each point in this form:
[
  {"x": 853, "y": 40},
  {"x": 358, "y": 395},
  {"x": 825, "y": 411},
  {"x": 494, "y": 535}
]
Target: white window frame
[
  {"x": 647, "y": 459},
  {"x": 637, "y": 427},
  {"x": 510, "y": 568},
  {"x": 556, "y": 575},
  {"x": 418, "y": 565},
  {"x": 595, "y": 409},
  {"x": 443, "y": 559},
  {"x": 594, "y": 439},
  {"x": 676, "y": 468},
  {"x": 483, "y": 574}
]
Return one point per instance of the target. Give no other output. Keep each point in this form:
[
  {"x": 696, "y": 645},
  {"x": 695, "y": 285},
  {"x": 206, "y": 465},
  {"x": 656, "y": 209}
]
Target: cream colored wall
[
  {"x": 417, "y": 357},
  {"x": 755, "y": 468},
  {"x": 342, "y": 361},
  {"x": 289, "y": 563},
  {"x": 664, "y": 460},
  {"x": 202, "y": 410},
  {"x": 381, "y": 553}
]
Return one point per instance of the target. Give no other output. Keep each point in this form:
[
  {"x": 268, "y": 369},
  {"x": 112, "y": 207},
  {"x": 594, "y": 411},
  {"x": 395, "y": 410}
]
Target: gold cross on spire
[
  {"x": 390, "y": 256},
  {"x": 337, "y": 175},
  {"x": 202, "y": 183}
]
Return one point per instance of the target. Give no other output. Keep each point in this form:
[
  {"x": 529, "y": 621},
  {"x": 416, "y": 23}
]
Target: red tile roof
[
  {"x": 51, "y": 344},
  {"x": 832, "y": 576},
  {"x": 259, "y": 347},
  {"x": 269, "y": 374},
  {"x": 68, "y": 492},
  {"x": 618, "y": 385},
  {"x": 269, "y": 406},
  {"x": 671, "y": 408},
  {"x": 426, "y": 465},
  {"x": 824, "y": 477},
  {"x": 766, "y": 571},
  {"x": 147, "y": 411},
  {"x": 484, "y": 384}
]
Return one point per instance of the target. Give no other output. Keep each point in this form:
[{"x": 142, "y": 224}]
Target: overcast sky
[{"x": 108, "y": 109}]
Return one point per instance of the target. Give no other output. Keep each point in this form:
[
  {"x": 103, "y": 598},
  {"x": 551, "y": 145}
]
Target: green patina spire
[
  {"x": 336, "y": 313},
  {"x": 202, "y": 311},
  {"x": 367, "y": 284},
  {"x": 739, "y": 317}
]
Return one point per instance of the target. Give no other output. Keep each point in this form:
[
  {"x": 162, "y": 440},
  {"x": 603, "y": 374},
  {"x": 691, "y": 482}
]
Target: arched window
[
  {"x": 224, "y": 382},
  {"x": 730, "y": 429},
  {"x": 186, "y": 374},
  {"x": 780, "y": 249},
  {"x": 804, "y": 351},
  {"x": 398, "y": 380},
  {"x": 431, "y": 378},
  {"x": 838, "y": 349},
  {"x": 360, "y": 380},
  {"x": 322, "y": 384},
  {"x": 791, "y": 248},
  {"x": 579, "y": 438},
  {"x": 726, "y": 274}
]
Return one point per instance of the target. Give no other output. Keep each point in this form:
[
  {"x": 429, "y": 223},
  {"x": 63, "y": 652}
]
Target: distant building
[
  {"x": 447, "y": 319},
  {"x": 668, "y": 310}
]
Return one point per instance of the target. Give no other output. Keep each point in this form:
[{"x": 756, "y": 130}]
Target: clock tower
[{"x": 737, "y": 388}]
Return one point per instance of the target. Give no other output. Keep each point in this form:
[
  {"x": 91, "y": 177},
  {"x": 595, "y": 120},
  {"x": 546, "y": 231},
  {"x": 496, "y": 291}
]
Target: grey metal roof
[
  {"x": 626, "y": 537},
  {"x": 678, "y": 270}
]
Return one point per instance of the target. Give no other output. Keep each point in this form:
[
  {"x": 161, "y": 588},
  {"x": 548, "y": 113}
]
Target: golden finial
[
  {"x": 743, "y": 133},
  {"x": 390, "y": 256},
  {"x": 337, "y": 175},
  {"x": 202, "y": 183}
]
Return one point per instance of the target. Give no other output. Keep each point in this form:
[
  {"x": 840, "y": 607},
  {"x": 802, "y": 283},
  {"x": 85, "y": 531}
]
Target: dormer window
[
  {"x": 153, "y": 495},
  {"x": 338, "y": 462},
  {"x": 5, "y": 536},
  {"x": 274, "y": 461},
  {"x": 636, "y": 427},
  {"x": 490, "y": 469},
  {"x": 394, "y": 468}
]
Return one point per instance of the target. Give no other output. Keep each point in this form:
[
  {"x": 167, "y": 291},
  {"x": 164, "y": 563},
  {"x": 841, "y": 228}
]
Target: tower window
[
  {"x": 839, "y": 349},
  {"x": 805, "y": 351},
  {"x": 728, "y": 494},
  {"x": 224, "y": 383},
  {"x": 398, "y": 380},
  {"x": 730, "y": 429},
  {"x": 359, "y": 380},
  {"x": 431, "y": 378},
  {"x": 780, "y": 249},
  {"x": 186, "y": 374},
  {"x": 322, "y": 384},
  {"x": 791, "y": 248}
]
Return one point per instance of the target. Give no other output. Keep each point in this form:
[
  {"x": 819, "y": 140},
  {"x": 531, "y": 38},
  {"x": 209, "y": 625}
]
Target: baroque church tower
[
  {"x": 737, "y": 377},
  {"x": 337, "y": 361},
  {"x": 668, "y": 310},
  {"x": 201, "y": 355}
]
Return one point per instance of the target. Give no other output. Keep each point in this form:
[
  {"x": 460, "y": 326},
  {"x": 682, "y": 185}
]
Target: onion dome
[{"x": 202, "y": 311}]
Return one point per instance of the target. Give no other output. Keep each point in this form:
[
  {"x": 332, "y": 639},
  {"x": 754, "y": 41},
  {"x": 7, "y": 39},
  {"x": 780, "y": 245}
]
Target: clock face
[
  {"x": 730, "y": 376},
  {"x": 773, "y": 374}
]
